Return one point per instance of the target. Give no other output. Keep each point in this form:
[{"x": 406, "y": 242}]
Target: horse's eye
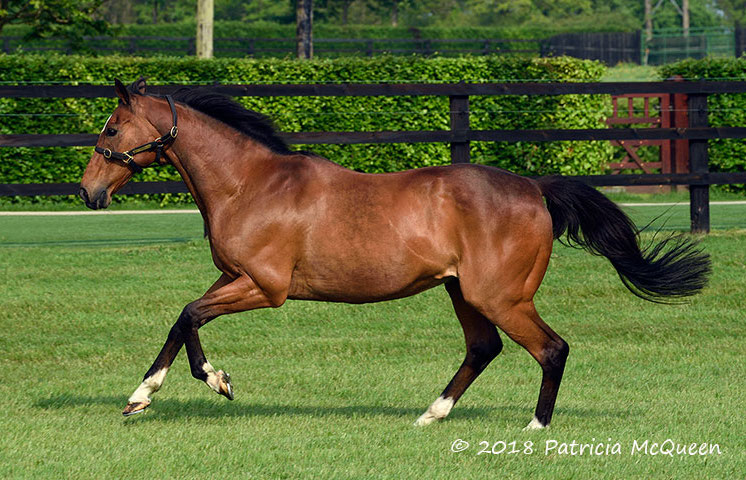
[{"x": 111, "y": 132}]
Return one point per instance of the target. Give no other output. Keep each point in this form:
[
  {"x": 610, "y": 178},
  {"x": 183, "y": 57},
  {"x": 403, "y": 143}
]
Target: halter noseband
[{"x": 128, "y": 157}]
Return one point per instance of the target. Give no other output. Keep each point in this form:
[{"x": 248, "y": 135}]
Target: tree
[
  {"x": 71, "y": 19},
  {"x": 304, "y": 29},
  {"x": 392, "y": 9},
  {"x": 735, "y": 11},
  {"x": 205, "y": 14},
  {"x": 500, "y": 12},
  {"x": 333, "y": 11}
]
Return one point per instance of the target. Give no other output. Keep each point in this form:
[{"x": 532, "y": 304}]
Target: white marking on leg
[
  {"x": 149, "y": 386},
  {"x": 534, "y": 425},
  {"x": 440, "y": 408},
  {"x": 213, "y": 379}
]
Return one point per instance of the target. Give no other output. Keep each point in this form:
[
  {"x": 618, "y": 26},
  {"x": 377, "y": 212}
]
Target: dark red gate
[{"x": 670, "y": 111}]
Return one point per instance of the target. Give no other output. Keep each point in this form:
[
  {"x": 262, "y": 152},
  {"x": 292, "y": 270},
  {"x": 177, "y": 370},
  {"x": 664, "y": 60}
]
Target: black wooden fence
[
  {"x": 740, "y": 41},
  {"x": 611, "y": 48},
  {"x": 459, "y": 135}
]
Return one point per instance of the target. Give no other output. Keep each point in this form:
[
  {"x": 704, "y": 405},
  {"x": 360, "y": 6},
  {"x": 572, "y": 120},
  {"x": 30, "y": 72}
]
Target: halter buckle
[
  {"x": 106, "y": 153},
  {"x": 174, "y": 131}
]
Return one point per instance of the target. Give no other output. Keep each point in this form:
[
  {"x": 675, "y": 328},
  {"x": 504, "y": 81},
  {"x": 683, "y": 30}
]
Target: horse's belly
[{"x": 366, "y": 281}]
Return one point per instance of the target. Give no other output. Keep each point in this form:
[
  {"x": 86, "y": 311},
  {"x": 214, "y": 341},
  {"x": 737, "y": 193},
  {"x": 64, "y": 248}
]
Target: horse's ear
[
  {"x": 139, "y": 86},
  {"x": 122, "y": 93}
]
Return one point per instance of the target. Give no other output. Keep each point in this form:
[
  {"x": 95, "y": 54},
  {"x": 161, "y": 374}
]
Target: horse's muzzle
[{"x": 95, "y": 202}]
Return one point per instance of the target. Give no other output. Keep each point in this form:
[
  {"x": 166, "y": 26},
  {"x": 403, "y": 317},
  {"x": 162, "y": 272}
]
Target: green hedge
[
  {"x": 179, "y": 43},
  {"x": 724, "y": 110},
  {"x": 225, "y": 29},
  {"x": 30, "y": 165}
]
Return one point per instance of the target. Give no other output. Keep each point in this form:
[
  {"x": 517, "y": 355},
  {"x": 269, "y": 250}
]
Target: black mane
[{"x": 254, "y": 124}]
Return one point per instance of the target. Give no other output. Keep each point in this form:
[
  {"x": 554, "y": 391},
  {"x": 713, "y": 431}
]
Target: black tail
[{"x": 669, "y": 269}]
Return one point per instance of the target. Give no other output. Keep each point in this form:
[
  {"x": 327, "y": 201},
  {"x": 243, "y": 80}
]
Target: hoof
[
  {"x": 225, "y": 387},
  {"x": 133, "y": 408},
  {"x": 424, "y": 420},
  {"x": 535, "y": 425}
]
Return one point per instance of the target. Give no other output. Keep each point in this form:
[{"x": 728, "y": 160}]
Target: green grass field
[
  {"x": 630, "y": 72},
  {"x": 331, "y": 391}
]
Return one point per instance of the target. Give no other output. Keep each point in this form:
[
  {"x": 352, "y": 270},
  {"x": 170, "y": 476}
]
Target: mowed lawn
[{"x": 331, "y": 390}]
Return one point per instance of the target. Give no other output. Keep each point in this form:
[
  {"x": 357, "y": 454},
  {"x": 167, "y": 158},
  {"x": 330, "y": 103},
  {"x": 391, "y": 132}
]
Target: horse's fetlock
[{"x": 199, "y": 373}]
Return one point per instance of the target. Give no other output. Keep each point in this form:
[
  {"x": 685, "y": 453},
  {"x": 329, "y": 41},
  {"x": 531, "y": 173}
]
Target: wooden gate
[{"x": 669, "y": 112}]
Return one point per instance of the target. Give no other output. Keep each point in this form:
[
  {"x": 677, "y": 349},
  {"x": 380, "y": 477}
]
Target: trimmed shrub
[
  {"x": 263, "y": 29},
  {"x": 294, "y": 114}
]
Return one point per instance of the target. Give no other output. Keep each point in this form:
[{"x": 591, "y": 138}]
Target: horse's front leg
[{"x": 227, "y": 295}]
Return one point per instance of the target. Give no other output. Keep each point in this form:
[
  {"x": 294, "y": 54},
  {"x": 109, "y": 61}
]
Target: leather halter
[{"x": 128, "y": 157}]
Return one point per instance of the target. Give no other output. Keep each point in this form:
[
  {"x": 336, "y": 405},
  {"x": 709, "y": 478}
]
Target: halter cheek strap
[{"x": 128, "y": 157}]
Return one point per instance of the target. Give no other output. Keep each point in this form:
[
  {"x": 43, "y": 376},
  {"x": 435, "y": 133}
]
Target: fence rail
[{"x": 459, "y": 136}]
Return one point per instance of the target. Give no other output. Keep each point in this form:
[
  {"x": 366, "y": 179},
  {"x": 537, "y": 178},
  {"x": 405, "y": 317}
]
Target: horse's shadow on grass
[{"x": 171, "y": 409}]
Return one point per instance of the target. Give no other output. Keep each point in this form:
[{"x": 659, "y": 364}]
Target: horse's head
[{"x": 124, "y": 146}]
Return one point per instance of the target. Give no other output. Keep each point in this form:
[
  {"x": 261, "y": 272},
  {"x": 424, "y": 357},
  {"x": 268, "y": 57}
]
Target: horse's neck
[{"x": 211, "y": 159}]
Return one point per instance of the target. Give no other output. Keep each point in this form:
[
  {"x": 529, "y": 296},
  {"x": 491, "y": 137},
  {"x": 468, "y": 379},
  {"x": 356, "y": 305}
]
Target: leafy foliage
[
  {"x": 263, "y": 29},
  {"x": 728, "y": 155},
  {"x": 68, "y": 19},
  {"x": 295, "y": 114},
  {"x": 734, "y": 10}
]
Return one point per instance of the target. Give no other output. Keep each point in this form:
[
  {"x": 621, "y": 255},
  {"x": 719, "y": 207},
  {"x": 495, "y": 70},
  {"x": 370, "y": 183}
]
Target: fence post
[
  {"x": 699, "y": 195},
  {"x": 679, "y": 118},
  {"x": 459, "y": 105}
]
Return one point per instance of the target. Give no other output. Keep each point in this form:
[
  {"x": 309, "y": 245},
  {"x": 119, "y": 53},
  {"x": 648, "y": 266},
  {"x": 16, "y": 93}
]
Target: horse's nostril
[{"x": 83, "y": 194}]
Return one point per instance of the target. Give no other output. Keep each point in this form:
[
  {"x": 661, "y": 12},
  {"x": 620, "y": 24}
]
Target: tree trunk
[
  {"x": 685, "y": 17},
  {"x": 395, "y": 14},
  {"x": 648, "y": 29},
  {"x": 205, "y": 14},
  {"x": 304, "y": 33}
]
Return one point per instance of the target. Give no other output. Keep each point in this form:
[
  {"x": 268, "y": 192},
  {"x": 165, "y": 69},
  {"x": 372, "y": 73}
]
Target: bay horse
[{"x": 292, "y": 225}]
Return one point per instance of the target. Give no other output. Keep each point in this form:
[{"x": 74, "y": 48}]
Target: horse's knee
[
  {"x": 481, "y": 353},
  {"x": 187, "y": 320}
]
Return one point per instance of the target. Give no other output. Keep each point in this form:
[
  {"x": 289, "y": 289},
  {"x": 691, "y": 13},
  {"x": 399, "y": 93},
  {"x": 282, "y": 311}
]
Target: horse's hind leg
[
  {"x": 522, "y": 323},
  {"x": 483, "y": 344},
  {"x": 508, "y": 302}
]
